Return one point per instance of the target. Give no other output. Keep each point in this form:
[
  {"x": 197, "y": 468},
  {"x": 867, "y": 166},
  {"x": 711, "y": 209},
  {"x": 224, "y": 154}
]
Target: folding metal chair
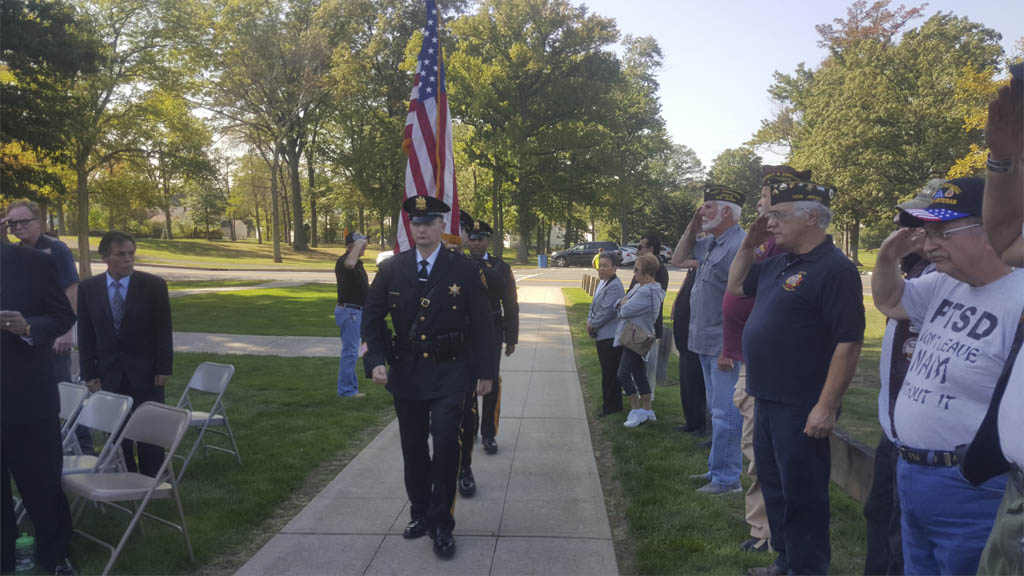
[
  {"x": 106, "y": 412},
  {"x": 71, "y": 398},
  {"x": 152, "y": 423},
  {"x": 209, "y": 378}
]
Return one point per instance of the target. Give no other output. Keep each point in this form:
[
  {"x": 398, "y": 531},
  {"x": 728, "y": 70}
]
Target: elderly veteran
[
  {"x": 801, "y": 344},
  {"x": 968, "y": 311},
  {"x": 719, "y": 218},
  {"x": 735, "y": 311}
]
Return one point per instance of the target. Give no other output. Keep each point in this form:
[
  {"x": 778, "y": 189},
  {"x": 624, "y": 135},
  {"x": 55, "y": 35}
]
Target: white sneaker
[
  {"x": 635, "y": 418},
  {"x": 650, "y": 416}
]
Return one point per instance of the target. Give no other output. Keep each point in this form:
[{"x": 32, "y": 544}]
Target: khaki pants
[
  {"x": 1004, "y": 553},
  {"x": 756, "y": 515}
]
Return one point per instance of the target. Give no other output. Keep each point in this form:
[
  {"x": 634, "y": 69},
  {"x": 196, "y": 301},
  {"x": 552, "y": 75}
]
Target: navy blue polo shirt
[
  {"x": 67, "y": 273},
  {"x": 805, "y": 305}
]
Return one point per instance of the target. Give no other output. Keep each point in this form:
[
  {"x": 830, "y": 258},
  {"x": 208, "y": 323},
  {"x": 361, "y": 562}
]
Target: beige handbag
[{"x": 637, "y": 338}]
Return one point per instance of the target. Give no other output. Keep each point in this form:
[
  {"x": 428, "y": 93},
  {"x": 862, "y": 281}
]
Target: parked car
[
  {"x": 665, "y": 254},
  {"x": 583, "y": 254}
]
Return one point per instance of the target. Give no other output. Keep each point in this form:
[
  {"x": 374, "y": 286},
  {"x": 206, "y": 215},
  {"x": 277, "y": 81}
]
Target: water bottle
[{"x": 24, "y": 553}]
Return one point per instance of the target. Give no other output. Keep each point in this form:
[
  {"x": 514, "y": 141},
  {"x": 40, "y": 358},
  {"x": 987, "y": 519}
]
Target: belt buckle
[
  {"x": 948, "y": 458},
  {"x": 424, "y": 302}
]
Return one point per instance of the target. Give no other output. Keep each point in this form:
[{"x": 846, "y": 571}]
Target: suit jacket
[
  {"x": 603, "y": 316},
  {"x": 28, "y": 284},
  {"x": 142, "y": 350},
  {"x": 457, "y": 306}
]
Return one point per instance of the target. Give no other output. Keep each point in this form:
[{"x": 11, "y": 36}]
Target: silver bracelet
[{"x": 998, "y": 166}]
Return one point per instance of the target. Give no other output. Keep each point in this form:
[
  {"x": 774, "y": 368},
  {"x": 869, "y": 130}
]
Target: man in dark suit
[
  {"x": 438, "y": 304},
  {"x": 124, "y": 336},
  {"x": 33, "y": 313}
]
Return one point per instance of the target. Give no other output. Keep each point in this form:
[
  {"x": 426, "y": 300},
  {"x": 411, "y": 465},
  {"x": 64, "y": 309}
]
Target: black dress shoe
[
  {"x": 65, "y": 568},
  {"x": 490, "y": 446},
  {"x": 755, "y": 545},
  {"x": 416, "y": 528},
  {"x": 467, "y": 484},
  {"x": 444, "y": 543}
]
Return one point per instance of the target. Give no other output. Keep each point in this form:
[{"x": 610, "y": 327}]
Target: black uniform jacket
[
  {"x": 430, "y": 349},
  {"x": 28, "y": 284},
  {"x": 501, "y": 288},
  {"x": 144, "y": 347}
]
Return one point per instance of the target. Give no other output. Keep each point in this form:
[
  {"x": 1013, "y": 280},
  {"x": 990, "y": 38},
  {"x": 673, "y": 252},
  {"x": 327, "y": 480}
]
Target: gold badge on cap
[
  {"x": 421, "y": 203},
  {"x": 454, "y": 289},
  {"x": 476, "y": 225}
]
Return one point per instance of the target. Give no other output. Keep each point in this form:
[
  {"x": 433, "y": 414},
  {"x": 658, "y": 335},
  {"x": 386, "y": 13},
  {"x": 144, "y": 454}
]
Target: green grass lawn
[
  {"x": 669, "y": 528},
  {"x": 193, "y": 284},
  {"x": 306, "y": 310},
  {"x": 867, "y": 259},
  {"x": 294, "y": 435}
]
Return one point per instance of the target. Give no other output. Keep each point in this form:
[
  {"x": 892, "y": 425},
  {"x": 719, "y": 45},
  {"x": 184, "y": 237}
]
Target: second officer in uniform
[{"x": 441, "y": 316}]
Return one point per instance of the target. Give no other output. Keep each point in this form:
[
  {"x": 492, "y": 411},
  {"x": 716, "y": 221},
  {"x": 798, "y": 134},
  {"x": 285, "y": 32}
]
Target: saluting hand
[
  {"x": 758, "y": 233},
  {"x": 483, "y": 387},
  {"x": 900, "y": 243},
  {"x": 380, "y": 374},
  {"x": 820, "y": 422}
]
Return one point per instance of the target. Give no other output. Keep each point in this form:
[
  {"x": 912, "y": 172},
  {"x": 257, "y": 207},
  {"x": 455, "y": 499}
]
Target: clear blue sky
[{"x": 720, "y": 56}]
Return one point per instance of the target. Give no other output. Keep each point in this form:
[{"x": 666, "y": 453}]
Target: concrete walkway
[{"x": 539, "y": 508}]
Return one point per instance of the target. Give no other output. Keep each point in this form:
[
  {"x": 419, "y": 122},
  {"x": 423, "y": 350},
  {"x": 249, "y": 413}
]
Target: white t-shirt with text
[{"x": 966, "y": 334}]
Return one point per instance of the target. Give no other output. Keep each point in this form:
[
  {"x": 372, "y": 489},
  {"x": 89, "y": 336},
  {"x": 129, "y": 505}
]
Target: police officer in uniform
[
  {"x": 501, "y": 290},
  {"x": 439, "y": 309}
]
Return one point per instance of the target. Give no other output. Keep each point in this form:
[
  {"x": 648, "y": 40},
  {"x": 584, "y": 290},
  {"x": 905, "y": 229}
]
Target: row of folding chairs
[{"x": 103, "y": 478}]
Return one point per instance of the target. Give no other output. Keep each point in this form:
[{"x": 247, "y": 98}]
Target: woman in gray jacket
[
  {"x": 640, "y": 306},
  {"x": 601, "y": 325}
]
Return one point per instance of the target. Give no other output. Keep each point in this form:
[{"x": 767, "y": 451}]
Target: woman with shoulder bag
[{"x": 637, "y": 314}]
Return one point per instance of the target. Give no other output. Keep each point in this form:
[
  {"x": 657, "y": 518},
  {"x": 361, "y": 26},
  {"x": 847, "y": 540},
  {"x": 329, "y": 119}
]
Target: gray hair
[
  {"x": 823, "y": 212},
  {"x": 734, "y": 209}
]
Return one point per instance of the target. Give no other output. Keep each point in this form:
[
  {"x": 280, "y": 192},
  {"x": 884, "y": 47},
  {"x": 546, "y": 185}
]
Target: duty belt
[{"x": 930, "y": 457}]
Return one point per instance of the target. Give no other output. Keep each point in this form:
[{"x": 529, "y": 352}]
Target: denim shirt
[{"x": 715, "y": 254}]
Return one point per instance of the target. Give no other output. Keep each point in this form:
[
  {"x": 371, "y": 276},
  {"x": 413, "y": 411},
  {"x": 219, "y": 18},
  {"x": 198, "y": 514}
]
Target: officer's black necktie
[{"x": 423, "y": 274}]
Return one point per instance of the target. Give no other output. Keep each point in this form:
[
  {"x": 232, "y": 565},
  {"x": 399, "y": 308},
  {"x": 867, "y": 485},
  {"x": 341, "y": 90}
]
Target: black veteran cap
[
  {"x": 719, "y": 193},
  {"x": 423, "y": 209},
  {"x": 779, "y": 174},
  {"x": 465, "y": 220},
  {"x": 479, "y": 230},
  {"x": 952, "y": 200},
  {"x": 801, "y": 192}
]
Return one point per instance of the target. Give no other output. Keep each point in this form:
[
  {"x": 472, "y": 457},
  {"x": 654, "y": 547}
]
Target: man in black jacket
[
  {"x": 33, "y": 313},
  {"x": 437, "y": 300},
  {"x": 124, "y": 336}
]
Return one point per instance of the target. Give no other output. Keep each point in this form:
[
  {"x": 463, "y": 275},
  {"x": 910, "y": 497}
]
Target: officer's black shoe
[
  {"x": 416, "y": 528},
  {"x": 490, "y": 446},
  {"x": 467, "y": 484},
  {"x": 444, "y": 543}
]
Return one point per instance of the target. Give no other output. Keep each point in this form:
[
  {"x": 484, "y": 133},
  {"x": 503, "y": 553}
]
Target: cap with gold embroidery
[
  {"x": 479, "y": 229},
  {"x": 779, "y": 174},
  {"x": 719, "y": 193},
  {"x": 802, "y": 192},
  {"x": 952, "y": 200},
  {"x": 465, "y": 220},
  {"x": 423, "y": 209}
]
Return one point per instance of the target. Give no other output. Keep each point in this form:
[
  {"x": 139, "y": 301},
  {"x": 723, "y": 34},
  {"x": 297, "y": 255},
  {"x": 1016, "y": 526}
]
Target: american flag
[{"x": 428, "y": 135}]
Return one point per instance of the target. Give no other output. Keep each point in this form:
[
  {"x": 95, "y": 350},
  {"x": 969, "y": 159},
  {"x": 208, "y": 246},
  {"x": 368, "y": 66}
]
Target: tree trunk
[
  {"x": 255, "y": 199},
  {"x": 166, "y": 205},
  {"x": 362, "y": 221},
  {"x": 60, "y": 217},
  {"x": 293, "y": 152},
  {"x": 275, "y": 233},
  {"x": 82, "y": 175},
  {"x": 314, "y": 238},
  {"x": 855, "y": 241},
  {"x": 381, "y": 217},
  {"x": 497, "y": 239}
]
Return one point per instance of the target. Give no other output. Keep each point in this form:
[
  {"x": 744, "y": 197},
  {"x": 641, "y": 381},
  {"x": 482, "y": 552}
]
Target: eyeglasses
[
  {"x": 778, "y": 216},
  {"x": 16, "y": 223},
  {"x": 946, "y": 233}
]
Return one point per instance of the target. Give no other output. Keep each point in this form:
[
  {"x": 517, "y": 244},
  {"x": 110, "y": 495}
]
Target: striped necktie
[{"x": 117, "y": 308}]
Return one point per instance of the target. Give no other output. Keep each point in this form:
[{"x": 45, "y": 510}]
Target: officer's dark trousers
[
  {"x": 882, "y": 511},
  {"x": 469, "y": 426},
  {"x": 609, "y": 357},
  {"x": 492, "y": 403},
  {"x": 794, "y": 472},
  {"x": 430, "y": 482},
  {"x": 692, "y": 393},
  {"x": 32, "y": 454}
]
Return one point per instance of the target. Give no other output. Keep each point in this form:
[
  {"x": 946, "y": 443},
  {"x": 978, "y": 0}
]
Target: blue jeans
[
  {"x": 946, "y": 521},
  {"x": 348, "y": 320},
  {"x": 726, "y": 459}
]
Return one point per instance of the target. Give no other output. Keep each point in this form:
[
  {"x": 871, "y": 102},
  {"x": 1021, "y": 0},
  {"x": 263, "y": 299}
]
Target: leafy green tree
[{"x": 740, "y": 169}]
